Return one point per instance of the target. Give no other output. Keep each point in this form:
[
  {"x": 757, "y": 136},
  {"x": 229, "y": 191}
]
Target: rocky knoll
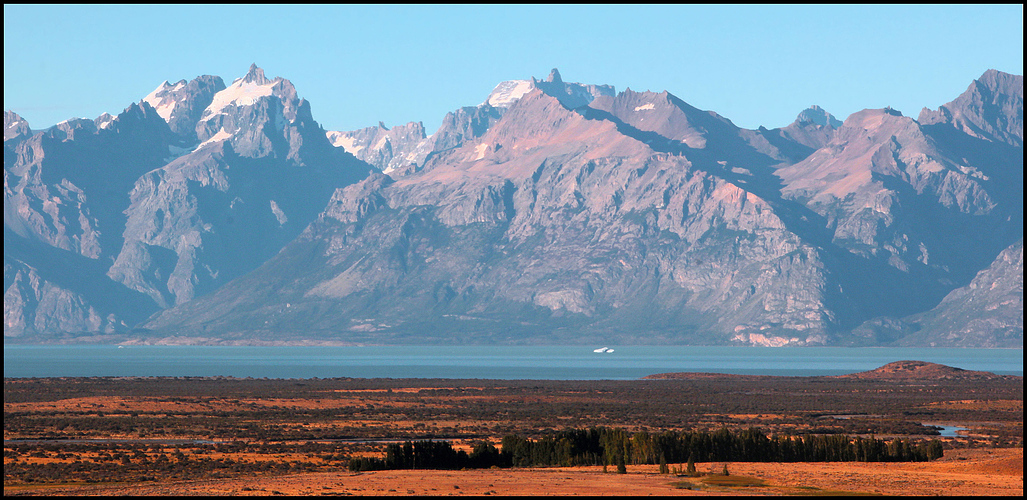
[
  {"x": 922, "y": 370},
  {"x": 897, "y": 371}
]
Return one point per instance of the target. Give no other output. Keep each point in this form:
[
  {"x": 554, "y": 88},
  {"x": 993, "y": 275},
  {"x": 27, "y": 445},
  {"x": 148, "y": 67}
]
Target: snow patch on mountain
[
  {"x": 345, "y": 140},
  {"x": 508, "y": 92},
  {"x": 240, "y": 93},
  {"x": 105, "y": 120},
  {"x": 162, "y": 100},
  {"x": 481, "y": 151},
  {"x": 218, "y": 137},
  {"x": 279, "y": 214}
]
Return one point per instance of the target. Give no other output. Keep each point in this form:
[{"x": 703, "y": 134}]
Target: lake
[{"x": 477, "y": 362}]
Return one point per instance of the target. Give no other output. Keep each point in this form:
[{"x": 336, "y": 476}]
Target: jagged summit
[
  {"x": 182, "y": 104},
  {"x": 991, "y": 108},
  {"x": 256, "y": 75},
  {"x": 244, "y": 92},
  {"x": 554, "y": 76},
  {"x": 571, "y": 95}
]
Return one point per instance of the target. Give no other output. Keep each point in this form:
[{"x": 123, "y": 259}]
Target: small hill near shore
[
  {"x": 914, "y": 370},
  {"x": 898, "y": 370}
]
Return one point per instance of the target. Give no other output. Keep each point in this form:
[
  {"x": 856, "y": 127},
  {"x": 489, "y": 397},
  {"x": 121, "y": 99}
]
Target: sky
[{"x": 360, "y": 64}]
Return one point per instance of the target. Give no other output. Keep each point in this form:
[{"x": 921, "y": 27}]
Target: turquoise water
[{"x": 482, "y": 362}]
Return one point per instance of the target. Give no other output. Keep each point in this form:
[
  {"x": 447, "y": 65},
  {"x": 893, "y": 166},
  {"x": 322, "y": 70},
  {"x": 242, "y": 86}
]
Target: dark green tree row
[
  {"x": 431, "y": 455},
  {"x": 603, "y": 446}
]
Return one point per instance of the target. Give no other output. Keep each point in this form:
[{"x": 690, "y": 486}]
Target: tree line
[{"x": 605, "y": 446}]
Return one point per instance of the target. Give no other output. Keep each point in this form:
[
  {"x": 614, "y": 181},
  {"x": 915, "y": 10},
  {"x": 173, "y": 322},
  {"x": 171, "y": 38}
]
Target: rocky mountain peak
[
  {"x": 813, "y": 128},
  {"x": 256, "y": 76},
  {"x": 15, "y": 127},
  {"x": 991, "y": 108},
  {"x": 260, "y": 117},
  {"x": 508, "y": 92},
  {"x": 182, "y": 104},
  {"x": 817, "y": 116},
  {"x": 999, "y": 82},
  {"x": 536, "y": 115},
  {"x": 105, "y": 120},
  {"x": 875, "y": 121},
  {"x": 571, "y": 95}
]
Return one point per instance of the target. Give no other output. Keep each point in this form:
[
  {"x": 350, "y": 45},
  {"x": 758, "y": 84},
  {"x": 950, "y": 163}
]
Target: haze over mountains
[{"x": 552, "y": 212}]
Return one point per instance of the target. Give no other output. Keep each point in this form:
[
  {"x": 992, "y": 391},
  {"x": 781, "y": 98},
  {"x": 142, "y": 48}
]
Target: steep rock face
[
  {"x": 53, "y": 293},
  {"x": 263, "y": 171},
  {"x": 67, "y": 186},
  {"x": 404, "y": 149},
  {"x": 465, "y": 124},
  {"x": 33, "y": 304},
  {"x": 65, "y": 191},
  {"x": 990, "y": 109},
  {"x": 986, "y": 313},
  {"x": 385, "y": 148},
  {"x": 550, "y": 226}
]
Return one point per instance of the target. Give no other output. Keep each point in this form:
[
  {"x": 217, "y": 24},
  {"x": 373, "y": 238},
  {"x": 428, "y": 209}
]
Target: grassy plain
[{"x": 262, "y": 436}]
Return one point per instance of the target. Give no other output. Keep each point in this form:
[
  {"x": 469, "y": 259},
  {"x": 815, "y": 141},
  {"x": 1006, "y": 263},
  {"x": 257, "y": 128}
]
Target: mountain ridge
[{"x": 564, "y": 213}]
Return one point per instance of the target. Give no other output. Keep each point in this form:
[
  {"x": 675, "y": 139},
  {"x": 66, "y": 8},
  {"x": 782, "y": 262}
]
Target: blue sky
[{"x": 756, "y": 65}]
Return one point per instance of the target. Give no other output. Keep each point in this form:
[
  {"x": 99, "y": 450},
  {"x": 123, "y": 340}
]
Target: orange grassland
[{"x": 977, "y": 471}]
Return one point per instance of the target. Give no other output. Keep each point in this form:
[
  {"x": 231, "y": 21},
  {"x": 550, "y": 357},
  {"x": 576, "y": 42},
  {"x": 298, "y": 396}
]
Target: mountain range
[{"x": 552, "y": 212}]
